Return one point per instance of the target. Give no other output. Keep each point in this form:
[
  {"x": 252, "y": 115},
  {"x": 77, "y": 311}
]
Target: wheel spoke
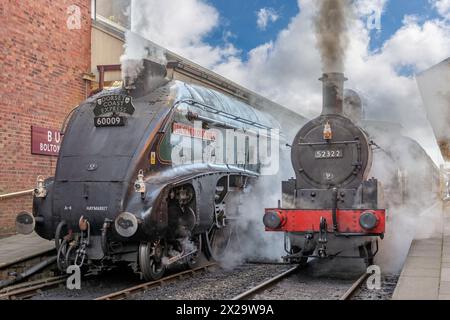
[
  {"x": 151, "y": 266},
  {"x": 218, "y": 242}
]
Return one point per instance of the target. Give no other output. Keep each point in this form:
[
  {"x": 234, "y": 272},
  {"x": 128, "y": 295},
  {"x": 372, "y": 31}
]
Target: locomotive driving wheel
[
  {"x": 61, "y": 255},
  {"x": 150, "y": 260},
  {"x": 217, "y": 242}
]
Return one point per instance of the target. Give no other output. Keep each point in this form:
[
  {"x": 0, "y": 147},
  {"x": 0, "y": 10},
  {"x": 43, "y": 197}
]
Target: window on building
[{"x": 112, "y": 12}]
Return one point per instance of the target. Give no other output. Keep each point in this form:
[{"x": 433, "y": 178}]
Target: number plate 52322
[
  {"x": 114, "y": 121},
  {"x": 328, "y": 154}
]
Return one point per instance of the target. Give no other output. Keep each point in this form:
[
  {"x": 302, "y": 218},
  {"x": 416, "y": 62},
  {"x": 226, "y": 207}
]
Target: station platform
[
  {"x": 17, "y": 248},
  {"x": 426, "y": 271}
]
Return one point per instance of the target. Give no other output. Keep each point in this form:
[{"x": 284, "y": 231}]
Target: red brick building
[{"x": 49, "y": 53}]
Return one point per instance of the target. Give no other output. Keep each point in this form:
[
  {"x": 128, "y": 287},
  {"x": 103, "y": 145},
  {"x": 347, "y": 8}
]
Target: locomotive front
[
  {"x": 137, "y": 179},
  {"x": 331, "y": 200}
]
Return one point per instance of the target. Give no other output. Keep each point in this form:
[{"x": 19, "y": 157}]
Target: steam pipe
[
  {"x": 333, "y": 93},
  {"x": 59, "y": 228}
]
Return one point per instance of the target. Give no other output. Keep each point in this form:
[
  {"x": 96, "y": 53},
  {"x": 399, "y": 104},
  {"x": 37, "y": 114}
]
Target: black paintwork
[{"x": 98, "y": 166}]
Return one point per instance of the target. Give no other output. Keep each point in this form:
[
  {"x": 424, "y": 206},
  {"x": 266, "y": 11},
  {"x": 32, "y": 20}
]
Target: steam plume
[{"x": 331, "y": 24}]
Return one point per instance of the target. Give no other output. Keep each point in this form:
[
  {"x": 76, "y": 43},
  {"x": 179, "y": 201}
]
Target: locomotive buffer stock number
[
  {"x": 329, "y": 154},
  {"x": 114, "y": 121}
]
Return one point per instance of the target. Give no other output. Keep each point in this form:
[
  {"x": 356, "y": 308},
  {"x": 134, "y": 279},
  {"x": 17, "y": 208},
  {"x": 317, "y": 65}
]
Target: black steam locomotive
[
  {"x": 331, "y": 200},
  {"x": 117, "y": 194}
]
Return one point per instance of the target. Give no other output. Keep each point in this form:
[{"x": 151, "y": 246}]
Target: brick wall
[{"x": 42, "y": 62}]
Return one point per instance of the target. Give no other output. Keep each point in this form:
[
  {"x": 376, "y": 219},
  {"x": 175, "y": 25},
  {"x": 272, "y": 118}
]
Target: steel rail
[
  {"x": 351, "y": 291},
  {"x": 29, "y": 289},
  {"x": 28, "y": 272},
  {"x": 126, "y": 293},
  {"x": 251, "y": 292}
]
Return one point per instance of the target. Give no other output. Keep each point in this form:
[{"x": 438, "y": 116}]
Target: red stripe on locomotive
[{"x": 348, "y": 221}]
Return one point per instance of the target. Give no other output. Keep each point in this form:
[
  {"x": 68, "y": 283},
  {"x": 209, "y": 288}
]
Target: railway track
[
  {"x": 267, "y": 285},
  {"x": 23, "y": 263},
  {"x": 129, "y": 292},
  {"x": 37, "y": 269},
  {"x": 28, "y": 289},
  {"x": 354, "y": 288}
]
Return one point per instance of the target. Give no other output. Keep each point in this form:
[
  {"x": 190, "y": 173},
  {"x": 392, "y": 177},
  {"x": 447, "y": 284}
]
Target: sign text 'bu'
[{"x": 45, "y": 141}]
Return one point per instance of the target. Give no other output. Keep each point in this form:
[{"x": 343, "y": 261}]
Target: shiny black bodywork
[
  {"x": 316, "y": 177},
  {"x": 98, "y": 166}
]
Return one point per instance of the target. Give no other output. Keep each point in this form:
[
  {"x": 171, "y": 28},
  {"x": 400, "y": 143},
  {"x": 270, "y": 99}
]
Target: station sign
[{"x": 45, "y": 141}]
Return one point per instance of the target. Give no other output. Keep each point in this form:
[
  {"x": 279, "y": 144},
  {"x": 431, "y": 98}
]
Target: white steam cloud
[
  {"x": 286, "y": 70},
  {"x": 265, "y": 16}
]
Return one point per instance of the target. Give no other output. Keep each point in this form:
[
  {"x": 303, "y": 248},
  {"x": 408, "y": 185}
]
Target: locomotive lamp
[
  {"x": 274, "y": 220},
  {"x": 139, "y": 184},
  {"x": 327, "y": 133},
  {"x": 40, "y": 191},
  {"x": 368, "y": 220}
]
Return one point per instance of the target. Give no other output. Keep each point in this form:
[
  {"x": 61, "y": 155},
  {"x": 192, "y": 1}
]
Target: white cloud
[
  {"x": 266, "y": 15},
  {"x": 442, "y": 7},
  {"x": 287, "y": 69},
  {"x": 181, "y": 26}
]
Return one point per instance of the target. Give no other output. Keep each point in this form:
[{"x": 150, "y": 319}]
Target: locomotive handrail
[
  {"x": 226, "y": 114},
  {"x": 326, "y": 143},
  {"x": 16, "y": 194}
]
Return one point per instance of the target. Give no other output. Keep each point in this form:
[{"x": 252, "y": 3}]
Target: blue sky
[
  {"x": 393, "y": 16},
  {"x": 219, "y": 35},
  {"x": 239, "y": 17}
]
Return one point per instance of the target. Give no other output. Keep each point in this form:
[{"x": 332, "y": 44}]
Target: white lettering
[
  {"x": 74, "y": 19},
  {"x": 46, "y": 147},
  {"x": 374, "y": 280},
  {"x": 97, "y": 208},
  {"x": 74, "y": 280},
  {"x": 186, "y": 310}
]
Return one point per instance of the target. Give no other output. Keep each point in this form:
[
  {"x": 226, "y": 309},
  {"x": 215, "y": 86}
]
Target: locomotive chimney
[{"x": 333, "y": 93}]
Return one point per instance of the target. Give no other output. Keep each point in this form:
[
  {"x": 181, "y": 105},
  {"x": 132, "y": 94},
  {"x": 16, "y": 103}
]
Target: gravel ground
[
  {"x": 388, "y": 283},
  {"x": 320, "y": 280},
  {"x": 218, "y": 284}
]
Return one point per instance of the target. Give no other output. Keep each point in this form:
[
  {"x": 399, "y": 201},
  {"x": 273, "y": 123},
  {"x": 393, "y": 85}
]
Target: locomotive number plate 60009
[
  {"x": 329, "y": 154},
  {"x": 114, "y": 121}
]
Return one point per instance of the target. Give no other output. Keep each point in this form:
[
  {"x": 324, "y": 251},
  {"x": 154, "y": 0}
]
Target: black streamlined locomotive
[
  {"x": 331, "y": 202},
  {"x": 117, "y": 196}
]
